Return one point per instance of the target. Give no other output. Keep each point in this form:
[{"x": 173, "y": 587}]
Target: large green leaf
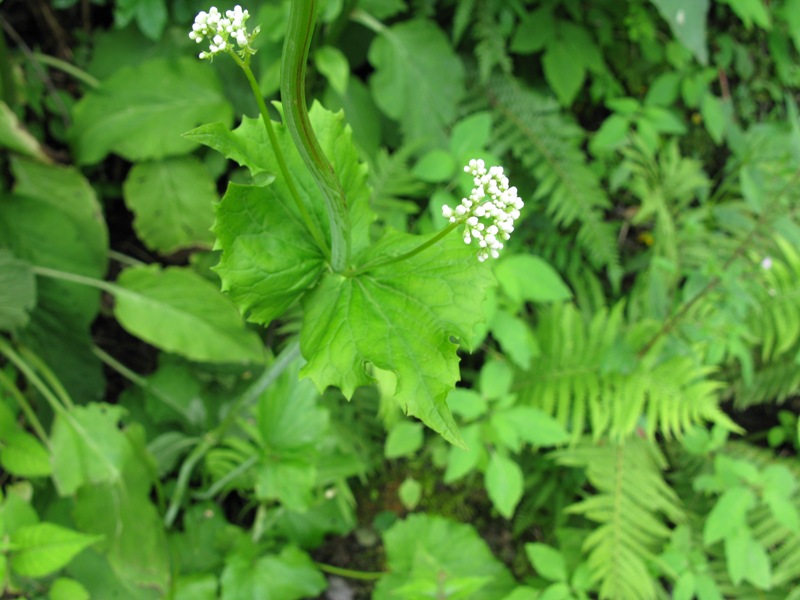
[
  {"x": 44, "y": 548},
  {"x": 17, "y": 291},
  {"x": 173, "y": 202},
  {"x": 54, "y": 220},
  {"x": 399, "y": 318},
  {"x": 687, "y": 19},
  {"x": 140, "y": 112},
  {"x": 424, "y": 549},
  {"x": 291, "y": 575},
  {"x": 179, "y": 311},
  {"x": 564, "y": 72},
  {"x": 134, "y": 541},
  {"x": 418, "y": 80},
  {"x": 87, "y": 446},
  {"x": 249, "y": 146},
  {"x": 268, "y": 260}
]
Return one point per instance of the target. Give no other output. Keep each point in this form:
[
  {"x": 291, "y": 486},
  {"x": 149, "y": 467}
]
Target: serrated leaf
[
  {"x": 140, "y": 112},
  {"x": 173, "y": 203},
  {"x": 269, "y": 259},
  {"x": 399, "y": 318},
  {"x": 177, "y": 310},
  {"x": 44, "y": 548},
  {"x": 504, "y": 484},
  {"x": 17, "y": 292},
  {"x": 418, "y": 80}
]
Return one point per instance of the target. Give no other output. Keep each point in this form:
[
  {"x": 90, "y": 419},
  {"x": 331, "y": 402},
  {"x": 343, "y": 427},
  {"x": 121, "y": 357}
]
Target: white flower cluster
[
  {"x": 220, "y": 30},
  {"x": 489, "y": 212}
]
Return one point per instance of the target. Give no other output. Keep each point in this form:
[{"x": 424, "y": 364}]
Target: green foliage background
[{"x": 193, "y": 404}]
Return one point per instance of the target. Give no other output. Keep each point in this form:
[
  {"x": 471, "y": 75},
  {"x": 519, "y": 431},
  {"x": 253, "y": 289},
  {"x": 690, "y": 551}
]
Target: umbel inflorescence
[
  {"x": 222, "y": 30},
  {"x": 490, "y": 210}
]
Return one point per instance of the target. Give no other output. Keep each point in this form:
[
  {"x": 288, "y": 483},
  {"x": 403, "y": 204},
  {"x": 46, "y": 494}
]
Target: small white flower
[
  {"x": 221, "y": 31},
  {"x": 766, "y": 264},
  {"x": 490, "y": 210}
]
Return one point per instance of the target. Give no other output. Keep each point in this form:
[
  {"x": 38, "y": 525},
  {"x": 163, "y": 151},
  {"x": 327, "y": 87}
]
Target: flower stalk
[{"x": 220, "y": 31}]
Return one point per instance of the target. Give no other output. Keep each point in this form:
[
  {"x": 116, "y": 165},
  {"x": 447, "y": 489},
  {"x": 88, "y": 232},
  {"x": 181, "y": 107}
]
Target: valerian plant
[{"x": 401, "y": 303}]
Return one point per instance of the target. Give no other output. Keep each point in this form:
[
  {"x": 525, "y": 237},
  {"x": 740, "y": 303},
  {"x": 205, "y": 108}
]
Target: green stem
[
  {"x": 68, "y": 68},
  {"x": 351, "y": 574},
  {"x": 30, "y": 375},
  {"x": 75, "y": 278},
  {"x": 124, "y": 259},
  {"x": 49, "y": 376},
  {"x": 368, "y": 21},
  {"x": 214, "y": 437},
  {"x": 30, "y": 415},
  {"x": 313, "y": 226},
  {"x": 383, "y": 261},
  {"x": 302, "y": 16}
]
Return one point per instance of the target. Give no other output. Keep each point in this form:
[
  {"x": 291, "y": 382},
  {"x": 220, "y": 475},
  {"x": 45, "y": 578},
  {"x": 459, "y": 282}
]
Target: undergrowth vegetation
[{"x": 246, "y": 353}]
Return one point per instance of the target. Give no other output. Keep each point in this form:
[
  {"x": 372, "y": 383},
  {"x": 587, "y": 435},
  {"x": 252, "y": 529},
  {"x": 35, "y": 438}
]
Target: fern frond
[
  {"x": 546, "y": 142},
  {"x": 631, "y": 506},
  {"x": 777, "y": 318},
  {"x": 588, "y": 377},
  {"x": 774, "y": 382},
  {"x": 491, "y": 49}
]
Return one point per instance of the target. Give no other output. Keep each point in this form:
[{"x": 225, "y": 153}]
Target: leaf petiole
[
  {"x": 387, "y": 260},
  {"x": 313, "y": 226}
]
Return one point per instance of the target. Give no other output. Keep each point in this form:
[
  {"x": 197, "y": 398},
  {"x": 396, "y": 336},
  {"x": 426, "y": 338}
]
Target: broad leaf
[
  {"x": 140, "y": 112},
  {"x": 87, "y": 446},
  {"x": 399, "y": 318},
  {"x": 564, "y": 72},
  {"x": 24, "y": 455},
  {"x": 504, "y": 484},
  {"x": 173, "y": 203},
  {"x": 134, "y": 542},
  {"x": 44, "y": 548},
  {"x": 425, "y": 550},
  {"x": 548, "y": 562},
  {"x": 418, "y": 80},
  {"x": 249, "y": 146},
  {"x": 179, "y": 311},
  {"x": 529, "y": 278},
  {"x": 54, "y": 220},
  {"x": 268, "y": 260},
  {"x": 17, "y": 291},
  {"x": 291, "y": 575},
  {"x": 687, "y": 19}
]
